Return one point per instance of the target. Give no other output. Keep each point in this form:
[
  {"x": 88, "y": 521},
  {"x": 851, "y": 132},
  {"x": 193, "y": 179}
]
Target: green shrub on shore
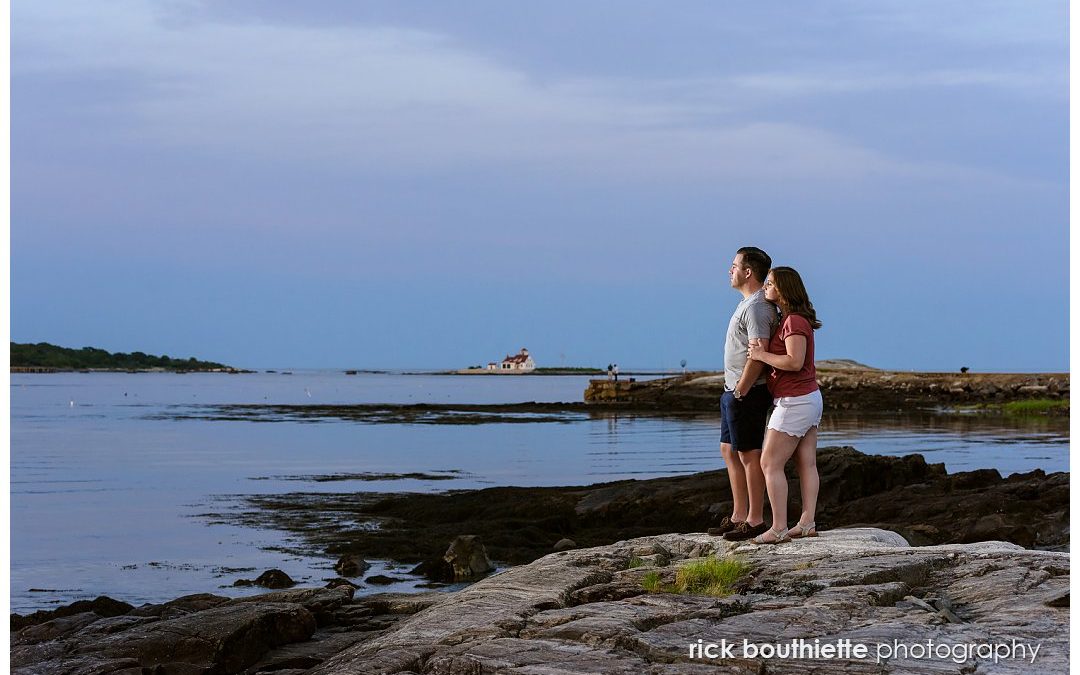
[{"x": 712, "y": 576}]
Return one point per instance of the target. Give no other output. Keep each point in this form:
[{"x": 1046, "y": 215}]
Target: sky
[{"x": 395, "y": 184}]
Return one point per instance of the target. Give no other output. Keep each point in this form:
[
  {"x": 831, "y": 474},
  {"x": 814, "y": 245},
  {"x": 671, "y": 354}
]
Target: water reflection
[
  {"x": 1007, "y": 427},
  {"x": 657, "y": 445}
]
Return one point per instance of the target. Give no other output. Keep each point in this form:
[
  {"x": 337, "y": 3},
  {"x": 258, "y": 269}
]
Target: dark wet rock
[
  {"x": 1027, "y": 509},
  {"x": 223, "y": 639},
  {"x": 211, "y": 637},
  {"x": 970, "y": 480},
  {"x": 323, "y": 603},
  {"x": 468, "y": 558},
  {"x": 299, "y": 657},
  {"x": 309, "y": 598},
  {"x": 906, "y": 494},
  {"x": 230, "y": 637},
  {"x": 335, "y": 583},
  {"x": 418, "y": 413},
  {"x": 268, "y": 579},
  {"x": 102, "y": 606},
  {"x": 54, "y": 628},
  {"x": 564, "y": 544},
  {"x": 366, "y": 476},
  {"x": 399, "y": 604},
  {"x": 350, "y": 565},
  {"x": 382, "y": 580},
  {"x": 180, "y": 606},
  {"x": 435, "y": 569}
]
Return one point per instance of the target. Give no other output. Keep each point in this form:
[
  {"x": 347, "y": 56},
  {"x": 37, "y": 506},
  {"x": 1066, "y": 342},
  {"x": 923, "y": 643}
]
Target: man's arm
[
  {"x": 750, "y": 374},
  {"x": 759, "y": 326}
]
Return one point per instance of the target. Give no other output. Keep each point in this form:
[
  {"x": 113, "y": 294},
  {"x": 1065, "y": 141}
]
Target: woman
[{"x": 793, "y": 425}]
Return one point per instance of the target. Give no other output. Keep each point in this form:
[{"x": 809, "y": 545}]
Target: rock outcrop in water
[
  {"x": 844, "y": 388},
  {"x": 913, "y": 610}
]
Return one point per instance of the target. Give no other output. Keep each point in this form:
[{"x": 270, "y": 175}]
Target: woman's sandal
[
  {"x": 781, "y": 537},
  {"x": 803, "y": 531}
]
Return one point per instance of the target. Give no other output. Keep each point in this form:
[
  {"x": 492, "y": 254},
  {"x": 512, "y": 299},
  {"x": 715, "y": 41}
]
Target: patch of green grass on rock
[
  {"x": 651, "y": 582},
  {"x": 711, "y": 576}
]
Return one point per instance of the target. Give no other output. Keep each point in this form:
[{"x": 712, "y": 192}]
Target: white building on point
[{"x": 518, "y": 363}]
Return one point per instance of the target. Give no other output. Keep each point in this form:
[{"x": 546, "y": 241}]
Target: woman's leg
[
  {"x": 806, "y": 461},
  {"x": 777, "y": 451}
]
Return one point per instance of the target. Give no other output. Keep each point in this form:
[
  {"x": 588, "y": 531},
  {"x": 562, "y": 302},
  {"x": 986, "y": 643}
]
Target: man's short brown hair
[{"x": 757, "y": 260}]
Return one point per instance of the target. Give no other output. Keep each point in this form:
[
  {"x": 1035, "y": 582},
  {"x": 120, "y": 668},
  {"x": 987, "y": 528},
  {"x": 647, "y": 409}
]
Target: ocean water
[{"x": 112, "y": 473}]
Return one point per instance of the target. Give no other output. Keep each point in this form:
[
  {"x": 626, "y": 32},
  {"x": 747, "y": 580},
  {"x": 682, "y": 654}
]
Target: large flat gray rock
[{"x": 865, "y": 586}]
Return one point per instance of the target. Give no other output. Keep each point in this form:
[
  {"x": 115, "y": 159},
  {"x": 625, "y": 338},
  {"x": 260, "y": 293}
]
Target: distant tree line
[{"x": 45, "y": 355}]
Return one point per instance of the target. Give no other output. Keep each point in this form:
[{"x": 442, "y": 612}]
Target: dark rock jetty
[{"x": 844, "y": 386}]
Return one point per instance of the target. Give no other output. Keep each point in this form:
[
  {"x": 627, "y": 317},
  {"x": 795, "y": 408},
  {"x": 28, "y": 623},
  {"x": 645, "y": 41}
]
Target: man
[{"x": 746, "y": 400}]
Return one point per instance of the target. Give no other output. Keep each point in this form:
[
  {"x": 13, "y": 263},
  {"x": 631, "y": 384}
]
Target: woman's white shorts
[{"x": 794, "y": 415}]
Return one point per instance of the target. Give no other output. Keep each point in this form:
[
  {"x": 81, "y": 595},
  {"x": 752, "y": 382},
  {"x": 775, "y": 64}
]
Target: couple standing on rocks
[{"x": 769, "y": 360}]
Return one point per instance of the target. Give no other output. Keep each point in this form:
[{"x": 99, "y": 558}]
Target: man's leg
[
  {"x": 737, "y": 478},
  {"x": 755, "y": 485},
  {"x": 752, "y": 413}
]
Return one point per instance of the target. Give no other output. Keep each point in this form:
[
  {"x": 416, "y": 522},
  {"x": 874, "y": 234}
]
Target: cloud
[
  {"x": 995, "y": 23},
  {"x": 391, "y": 99},
  {"x": 844, "y": 81}
]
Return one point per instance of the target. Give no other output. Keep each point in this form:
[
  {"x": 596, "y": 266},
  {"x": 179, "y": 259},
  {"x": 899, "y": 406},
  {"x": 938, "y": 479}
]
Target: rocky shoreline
[
  {"x": 981, "y": 573},
  {"x": 920, "y": 501},
  {"x": 939, "y": 609},
  {"x": 846, "y": 386}
]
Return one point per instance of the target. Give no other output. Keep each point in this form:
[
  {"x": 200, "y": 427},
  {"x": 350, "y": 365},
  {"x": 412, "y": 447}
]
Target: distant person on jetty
[
  {"x": 794, "y": 422},
  {"x": 745, "y": 401},
  {"x": 615, "y": 371},
  {"x": 610, "y": 372}
]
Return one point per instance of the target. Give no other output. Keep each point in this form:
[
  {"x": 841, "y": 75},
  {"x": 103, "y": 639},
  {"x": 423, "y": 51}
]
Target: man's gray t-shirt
[{"x": 754, "y": 317}]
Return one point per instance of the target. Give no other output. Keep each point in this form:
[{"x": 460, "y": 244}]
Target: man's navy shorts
[{"x": 742, "y": 421}]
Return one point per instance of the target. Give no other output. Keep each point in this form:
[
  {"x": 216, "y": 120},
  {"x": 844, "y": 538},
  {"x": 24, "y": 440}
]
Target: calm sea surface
[{"x": 108, "y": 480}]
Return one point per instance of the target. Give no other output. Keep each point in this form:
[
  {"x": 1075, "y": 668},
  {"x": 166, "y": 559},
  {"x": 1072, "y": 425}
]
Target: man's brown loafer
[
  {"x": 746, "y": 531},
  {"x": 726, "y": 525}
]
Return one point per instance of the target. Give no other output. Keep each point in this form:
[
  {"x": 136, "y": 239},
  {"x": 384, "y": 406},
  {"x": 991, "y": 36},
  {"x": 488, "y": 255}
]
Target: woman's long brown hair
[{"x": 793, "y": 297}]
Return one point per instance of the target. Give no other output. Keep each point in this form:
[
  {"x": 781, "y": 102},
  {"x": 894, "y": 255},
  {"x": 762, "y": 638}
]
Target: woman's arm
[{"x": 793, "y": 360}]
